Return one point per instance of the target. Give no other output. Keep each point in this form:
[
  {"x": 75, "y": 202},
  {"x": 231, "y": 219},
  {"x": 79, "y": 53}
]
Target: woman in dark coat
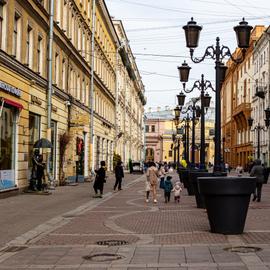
[
  {"x": 100, "y": 179},
  {"x": 119, "y": 174},
  {"x": 258, "y": 171}
]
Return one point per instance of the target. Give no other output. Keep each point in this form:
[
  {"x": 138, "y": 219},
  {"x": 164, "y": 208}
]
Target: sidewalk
[{"x": 121, "y": 231}]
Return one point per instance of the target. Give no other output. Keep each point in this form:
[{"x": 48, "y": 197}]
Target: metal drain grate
[
  {"x": 14, "y": 248},
  {"x": 103, "y": 257},
  {"x": 112, "y": 243},
  {"x": 243, "y": 249}
]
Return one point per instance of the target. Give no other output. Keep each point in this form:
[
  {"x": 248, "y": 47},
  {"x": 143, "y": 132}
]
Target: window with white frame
[
  {"x": 16, "y": 36},
  {"x": 56, "y": 68},
  {"x": 64, "y": 74},
  {"x": 3, "y": 23},
  {"x": 40, "y": 55},
  {"x": 29, "y": 46}
]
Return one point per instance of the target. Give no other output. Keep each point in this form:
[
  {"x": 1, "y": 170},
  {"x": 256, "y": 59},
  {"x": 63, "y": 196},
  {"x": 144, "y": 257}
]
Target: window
[
  {"x": 16, "y": 36},
  {"x": 170, "y": 153},
  {"x": 56, "y": 69},
  {"x": 40, "y": 55},
  {"x": 152, "y": 128},
  {"x": 34, "y": 135},
  {"x": 29, "y": 47},
  {"x": 83, "y": 92},
  {"x": 2, "y": 26},
  {"x": 64, "y": 74},
  {"x": 147, "y": 129},
  {"x": 58, "y": 11}
]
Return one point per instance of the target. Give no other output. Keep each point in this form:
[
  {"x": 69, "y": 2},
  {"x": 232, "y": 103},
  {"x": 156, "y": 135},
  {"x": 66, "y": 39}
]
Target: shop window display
[{"x": 7, "y": 147}]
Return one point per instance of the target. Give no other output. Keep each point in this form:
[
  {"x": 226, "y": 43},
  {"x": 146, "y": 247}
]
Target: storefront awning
[{"x": 13, "y": 103}]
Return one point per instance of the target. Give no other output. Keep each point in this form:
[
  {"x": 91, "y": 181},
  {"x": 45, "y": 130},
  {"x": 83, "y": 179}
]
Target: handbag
[{"x": 147, "y": 186}]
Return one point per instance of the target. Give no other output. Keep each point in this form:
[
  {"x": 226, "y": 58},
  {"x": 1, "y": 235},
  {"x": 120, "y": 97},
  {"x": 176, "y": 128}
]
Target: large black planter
[
  {"x": 183, "y": 176},
  {"x": 193, "y": 175},
  {"x": 226, "y": 200}
]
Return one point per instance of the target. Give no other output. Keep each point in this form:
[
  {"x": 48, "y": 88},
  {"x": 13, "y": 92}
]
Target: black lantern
[
  {"x": 222, "y": 69},
  {"x": 250, "y": 121},
  {"x": 177, "y": 111},
  {"x": 184, "y": 72},
  {"x": 243, "y": 34},
  {"x": 267, "y": 113},
  {"x": 192, "y": 33},
  {"x": 181, "y": 99},
  {"x": 206, "y": 100},
  {"x": 267, "y": 122}
]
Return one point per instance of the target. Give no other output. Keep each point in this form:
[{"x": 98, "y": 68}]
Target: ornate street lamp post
[
  {"x": 260, "y": 128},
  {"x": 217, "y": 53},
  {"x": 202, "y": 86}
]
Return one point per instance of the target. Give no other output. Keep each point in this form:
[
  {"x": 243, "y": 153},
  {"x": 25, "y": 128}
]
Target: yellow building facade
[{"x": 24, "y": 88}]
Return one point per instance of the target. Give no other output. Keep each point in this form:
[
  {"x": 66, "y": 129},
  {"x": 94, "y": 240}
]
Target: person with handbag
[
  {"x": 100, "y": 180},
  {"x": 152, "y": 177}
]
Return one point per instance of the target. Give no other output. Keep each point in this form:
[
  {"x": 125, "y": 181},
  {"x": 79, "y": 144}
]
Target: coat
[
  {"x": 100, "y": 178},
  {"x": 258, "y": 171},
  {"x": 168, "y": 185},
  {"x": 119, "y": 172},
  {"x": 152, "y": 175}
]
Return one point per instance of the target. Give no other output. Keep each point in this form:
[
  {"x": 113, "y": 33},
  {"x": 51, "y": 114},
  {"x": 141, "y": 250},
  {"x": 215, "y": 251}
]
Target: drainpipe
[
  {"x": 49, "y": 94},
  {"x": 92, "y": 85}
]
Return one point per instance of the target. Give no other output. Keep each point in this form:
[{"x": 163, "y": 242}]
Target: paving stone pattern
[{"x": 159, "y": 236}]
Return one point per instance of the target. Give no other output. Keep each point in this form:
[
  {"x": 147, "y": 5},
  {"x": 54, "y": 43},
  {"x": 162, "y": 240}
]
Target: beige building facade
[
  {"x": 130, "y": 101},
  {"x": 24, "y": 88}
]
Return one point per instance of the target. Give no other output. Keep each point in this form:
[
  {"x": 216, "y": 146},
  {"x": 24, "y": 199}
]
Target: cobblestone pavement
[{"x": 121, "y": 231}]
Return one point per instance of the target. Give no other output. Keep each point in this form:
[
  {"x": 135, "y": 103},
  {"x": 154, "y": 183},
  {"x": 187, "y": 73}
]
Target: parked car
[{"x": 137, "y": 167}]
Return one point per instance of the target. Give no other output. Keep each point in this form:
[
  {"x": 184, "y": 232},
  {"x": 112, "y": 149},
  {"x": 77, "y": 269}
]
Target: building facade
[
  {"x": 260, "y": 95},
  {"x": 24, "y": 102},
  {"x": 130, "y": 101},
  {"x": 161, "y": 140},
  {"x": 236, "y": 98}
]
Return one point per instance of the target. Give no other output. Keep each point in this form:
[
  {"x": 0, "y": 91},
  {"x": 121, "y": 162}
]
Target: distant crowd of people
[{"x": 159, "y": 175}]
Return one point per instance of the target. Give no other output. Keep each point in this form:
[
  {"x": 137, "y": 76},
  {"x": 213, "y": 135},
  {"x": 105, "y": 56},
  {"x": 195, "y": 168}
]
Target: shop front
[{"x": 9, "y": 117}]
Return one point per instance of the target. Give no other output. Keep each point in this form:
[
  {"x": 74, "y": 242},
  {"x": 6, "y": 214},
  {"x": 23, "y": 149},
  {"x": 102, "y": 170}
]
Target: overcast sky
[{"x": 154, "y": 29}]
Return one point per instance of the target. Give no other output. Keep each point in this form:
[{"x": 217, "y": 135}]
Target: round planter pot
[
  {"x": 226, "y": 200},
  {"x": 183, "y": 175},
  {"x": 193, "y": 175}
]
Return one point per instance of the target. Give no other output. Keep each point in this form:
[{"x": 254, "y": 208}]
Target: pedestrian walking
[
  {"x": 152, "y": 178},
  {"x": 258, "y": 171},
  {"x": 167, "y": 188},
  {"x": 119, "y": 174},
  {"x": 239, "y": 169},
  {"x": 100, "y": 180},
  {"x": 177, "y": 189}
]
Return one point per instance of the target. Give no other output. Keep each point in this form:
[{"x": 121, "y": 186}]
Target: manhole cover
[
  {"x": 103, "y": 257},
  {"x": 112, "y": 243},
  {"x": 14, "y": 248},
  {"x": 243, "y": 249}
]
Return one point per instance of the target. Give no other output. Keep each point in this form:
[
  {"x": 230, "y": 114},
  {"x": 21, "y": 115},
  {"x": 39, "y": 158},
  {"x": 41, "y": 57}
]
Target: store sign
[
  {"x": 7, "y": 179},
  {"x": 10, "y": 89}
]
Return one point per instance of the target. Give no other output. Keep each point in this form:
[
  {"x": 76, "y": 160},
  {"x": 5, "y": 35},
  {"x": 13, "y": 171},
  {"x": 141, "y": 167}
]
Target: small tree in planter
[{"x": 64, "y": 140}]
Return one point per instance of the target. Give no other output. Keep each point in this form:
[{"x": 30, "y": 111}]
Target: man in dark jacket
[
  {"x": 119, "y": 174},
  {"x": 258, "y": 171}
]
